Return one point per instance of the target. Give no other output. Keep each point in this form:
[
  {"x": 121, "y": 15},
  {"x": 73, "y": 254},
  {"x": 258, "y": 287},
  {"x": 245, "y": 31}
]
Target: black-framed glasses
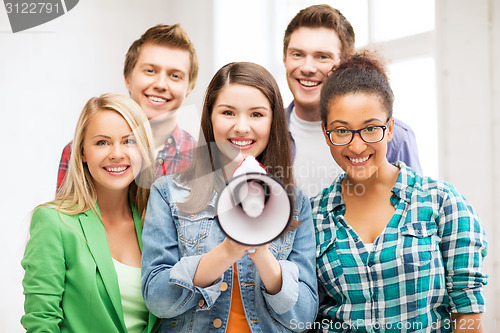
[{"x": 344, "y": 136}]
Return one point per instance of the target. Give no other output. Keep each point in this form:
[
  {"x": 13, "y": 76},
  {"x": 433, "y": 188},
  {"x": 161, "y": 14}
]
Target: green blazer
[{"x": 70, "y": 283}]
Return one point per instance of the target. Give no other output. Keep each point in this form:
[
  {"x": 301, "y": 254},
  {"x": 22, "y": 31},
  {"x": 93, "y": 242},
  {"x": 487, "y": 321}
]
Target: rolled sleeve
[
  {"x": 182, "y": 275},
  {"x": 286, "y": 298},
  {"x": 464, "y": 249}
]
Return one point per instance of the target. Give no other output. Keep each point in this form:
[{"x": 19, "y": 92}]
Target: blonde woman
[{"x": 82, "y": 261}]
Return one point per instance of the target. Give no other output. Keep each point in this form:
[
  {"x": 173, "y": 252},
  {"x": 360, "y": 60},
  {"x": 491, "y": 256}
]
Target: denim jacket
[{"x": 174, "y": 243}]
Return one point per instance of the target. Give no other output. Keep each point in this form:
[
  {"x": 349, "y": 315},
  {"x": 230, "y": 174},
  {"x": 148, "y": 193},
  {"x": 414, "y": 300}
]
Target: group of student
[{"x": 131, "y": 242}]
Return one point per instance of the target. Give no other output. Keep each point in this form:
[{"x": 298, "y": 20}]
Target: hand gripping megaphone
[{"x": 254, "y": 208}]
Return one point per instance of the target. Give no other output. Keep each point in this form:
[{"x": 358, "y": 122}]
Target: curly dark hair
[{"x": 363, "y": 72}]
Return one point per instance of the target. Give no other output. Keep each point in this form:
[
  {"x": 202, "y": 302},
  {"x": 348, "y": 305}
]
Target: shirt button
[
  {"x": 201, "y": 303},
  {"x": 217, "y": 323},
  {"x": 370, "y": 264},
  {"x": 160, "y": 161},
  {"x": 169, "y": 141},
  {"x": 223, "y": 286}
]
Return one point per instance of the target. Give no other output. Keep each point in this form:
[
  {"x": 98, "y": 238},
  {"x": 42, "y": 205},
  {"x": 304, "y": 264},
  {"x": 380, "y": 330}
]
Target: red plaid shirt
[{"x": 175, "y": 156}]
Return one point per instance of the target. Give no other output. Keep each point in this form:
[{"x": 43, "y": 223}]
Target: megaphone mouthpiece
[
  {"x": 249, "y": 164},
  {"x": 254, "y": 208},
  {"x": 252, "y": 196}
]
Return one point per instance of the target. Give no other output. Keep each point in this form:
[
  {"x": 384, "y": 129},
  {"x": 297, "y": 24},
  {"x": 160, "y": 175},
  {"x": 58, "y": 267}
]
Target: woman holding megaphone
[{"x": 194, "y": 276}]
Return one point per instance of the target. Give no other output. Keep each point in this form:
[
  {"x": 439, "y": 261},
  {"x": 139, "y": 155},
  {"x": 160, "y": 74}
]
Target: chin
[{"x": 362, "y": 174}]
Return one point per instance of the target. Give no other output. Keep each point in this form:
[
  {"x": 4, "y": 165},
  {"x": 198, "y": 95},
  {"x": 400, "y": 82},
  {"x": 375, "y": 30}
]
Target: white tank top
[{"x": 135, "y": 312}]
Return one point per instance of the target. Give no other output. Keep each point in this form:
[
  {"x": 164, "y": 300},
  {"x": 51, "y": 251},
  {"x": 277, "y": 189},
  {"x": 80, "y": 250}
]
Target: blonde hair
[{"x": 78, "y": 193}]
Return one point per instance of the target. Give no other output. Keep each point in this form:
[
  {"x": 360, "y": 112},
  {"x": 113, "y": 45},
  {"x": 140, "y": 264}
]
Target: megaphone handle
[{"x": 251, "y": 250}]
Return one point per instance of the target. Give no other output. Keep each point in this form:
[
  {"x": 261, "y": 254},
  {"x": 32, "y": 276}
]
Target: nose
[
  {"x": 160, "y": 83},
  {"x": 357, "y": 144},
  {"x": 309, "y": 65},
  {"x": 117, "y": 151},
  {"x": 242, "y": 125}
]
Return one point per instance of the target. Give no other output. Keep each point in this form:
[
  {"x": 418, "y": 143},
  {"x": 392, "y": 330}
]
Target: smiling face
[
  {"x": 311, "y": 54},
  {"x": 159, "y": 81},
  {"x": 111, "y": 152},
  {"x": 360, "y": 160},
  {"x": 241, "y": 120}
]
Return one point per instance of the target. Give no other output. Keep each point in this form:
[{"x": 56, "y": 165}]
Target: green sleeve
[{"x": 45, "y": 269}]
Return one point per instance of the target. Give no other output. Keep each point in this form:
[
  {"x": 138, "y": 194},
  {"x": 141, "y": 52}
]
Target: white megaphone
[{"x": 254, "y": 208}]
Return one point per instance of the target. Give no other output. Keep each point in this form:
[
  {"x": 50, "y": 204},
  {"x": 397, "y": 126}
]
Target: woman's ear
[
  {"x": 324, "y": 133},
  {"x": 390, "y": 129}
]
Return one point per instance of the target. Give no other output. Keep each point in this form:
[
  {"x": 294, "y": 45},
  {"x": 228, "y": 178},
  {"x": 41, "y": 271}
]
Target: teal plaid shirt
[{"x": 426, "y": 264}]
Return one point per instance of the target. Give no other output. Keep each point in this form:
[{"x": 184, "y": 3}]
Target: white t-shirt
[
  {"x": 313, "y": 166},
  {"x": 369, "y": 247}
]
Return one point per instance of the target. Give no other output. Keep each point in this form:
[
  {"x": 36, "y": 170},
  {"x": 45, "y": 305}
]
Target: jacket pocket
[{"x": 192, "y": 228}]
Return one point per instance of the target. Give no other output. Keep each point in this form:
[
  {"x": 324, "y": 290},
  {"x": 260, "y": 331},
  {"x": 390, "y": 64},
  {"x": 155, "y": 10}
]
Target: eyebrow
[
  {"x": 232, "y": 107},
  {"x": 109, "y": 138},
  {"x": 294, "y": 49},
  {"x": 346, "y": 123},
  {"x": 149, "y": 64}
]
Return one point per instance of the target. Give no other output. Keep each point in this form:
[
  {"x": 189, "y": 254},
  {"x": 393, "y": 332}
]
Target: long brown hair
[{"x": 203, "y": 176}]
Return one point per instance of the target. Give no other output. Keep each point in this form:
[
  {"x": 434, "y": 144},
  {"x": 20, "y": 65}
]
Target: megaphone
[{"x": 254, "y": 208}]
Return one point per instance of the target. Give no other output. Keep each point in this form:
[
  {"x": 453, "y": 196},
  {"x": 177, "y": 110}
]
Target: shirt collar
[
  {"x": 403, "y": 188},
  {"x": 173, "y": 139}
]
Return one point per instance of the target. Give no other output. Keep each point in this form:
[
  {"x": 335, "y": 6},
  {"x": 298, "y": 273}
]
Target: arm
[
  {"x": 214, "y": 263},
  {"x": 463, "y": 246},
  {"x": 167, "y": 279},
  {"x": 45, "y": 271},
  {"x": 467, "y": 323},
  {"x": 297, "y": 301},
  {"x": 269, "y": 269}
]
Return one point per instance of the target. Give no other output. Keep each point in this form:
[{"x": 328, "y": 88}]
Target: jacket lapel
[
  {"x": 99, "y": 248},
  {"x": 138, "y": 225}
]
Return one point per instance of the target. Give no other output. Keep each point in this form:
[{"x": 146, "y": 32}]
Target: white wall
[
  {"x": 46, "y": 75},
  {"x": 468, "y": 71}
]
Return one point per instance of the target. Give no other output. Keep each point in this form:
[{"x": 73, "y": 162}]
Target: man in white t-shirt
[{"x": 316, "y": 39}]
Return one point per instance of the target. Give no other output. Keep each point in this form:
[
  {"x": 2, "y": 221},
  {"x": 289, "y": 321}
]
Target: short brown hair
[
  {"x": 323, "y": 16},
  {"x": 165, "y": 35}
]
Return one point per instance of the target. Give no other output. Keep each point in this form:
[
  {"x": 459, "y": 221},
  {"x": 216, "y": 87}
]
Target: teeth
[
  {"x": 157, "y": 99},
  {"x": 242, "y": 143},
  {"x": 309, "y": 83},
  {"x": 359, "y": 160},
  {"x": 116, "y": 169}
]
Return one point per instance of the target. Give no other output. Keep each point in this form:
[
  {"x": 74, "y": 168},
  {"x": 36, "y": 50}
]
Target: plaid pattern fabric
[
  {"x": 426, "y": 264},
  {"x": 177, "y": 153},
  {"x": 63, "y": 165},
  {"x": 174, "y": 157}
]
